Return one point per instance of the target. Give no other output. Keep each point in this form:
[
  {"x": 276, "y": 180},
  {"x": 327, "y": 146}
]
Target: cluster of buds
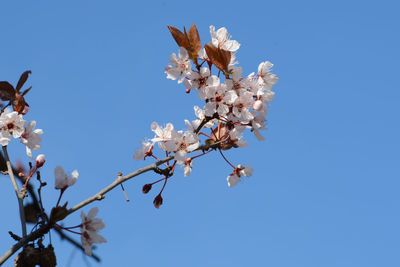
[{"x": 232, "y": 103}]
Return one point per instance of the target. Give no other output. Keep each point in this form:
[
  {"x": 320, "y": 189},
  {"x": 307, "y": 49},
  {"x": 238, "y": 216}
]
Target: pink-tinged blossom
[
  {"x": 144, "y": 151},
  {"x": 180, "y": 66},
  {"x": 216, "y": 101},
  {"x": 239, "y": 172},
  {"x": 220, "y": 39},
  {"x": 201, "y": 116},
  {"x": 188, "y": 143},
  {"x": 205, "y": 92},
  {"x": 165, "y": 137},
  {"x": 63, "y": 181},
  {"x": 11, "y": 124},
  {"x": 197, "y": 80},
  {"x": 187, "y": 167},
  {"x": 266, "y": 78},
  {"x": 31, "y": 138},
  {"x": 89, "y": 228},
  {"x": 257, "y": 124}
]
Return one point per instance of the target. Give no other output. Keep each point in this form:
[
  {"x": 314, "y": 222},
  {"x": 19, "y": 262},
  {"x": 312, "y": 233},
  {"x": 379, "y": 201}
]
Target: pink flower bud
[
  {"x": 187, "y": 91},
  {"x": 40, "y": 161},
  {"x": 258, "y": 105}
]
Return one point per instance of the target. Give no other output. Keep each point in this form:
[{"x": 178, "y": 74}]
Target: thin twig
[
  {"x": 45, "y": 228},
  {"x": 20, "y": 196}
]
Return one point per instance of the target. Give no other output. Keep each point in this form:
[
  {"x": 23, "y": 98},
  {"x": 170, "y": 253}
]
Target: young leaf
[
  {"x": 7, "y": 91},
  {"x": 22, "y": 80},
  {"x": 220, "y": 58},
  {"x": 180, "y": 38}
]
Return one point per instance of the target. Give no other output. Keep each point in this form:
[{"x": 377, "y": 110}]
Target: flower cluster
[
  {"x": 233, "y": 103},
  {"x": 12, "y": 124}
]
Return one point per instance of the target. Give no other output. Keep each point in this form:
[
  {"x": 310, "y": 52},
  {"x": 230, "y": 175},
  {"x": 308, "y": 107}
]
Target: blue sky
[{"x": 325, "y": 187}]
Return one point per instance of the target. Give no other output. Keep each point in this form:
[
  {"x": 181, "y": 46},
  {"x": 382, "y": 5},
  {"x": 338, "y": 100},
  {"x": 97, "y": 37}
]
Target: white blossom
[
  {"x": 239, "y": 172},
  {"x": 220, "y": 39},
  {"x": 180, "y": 66},
  {"x": 31, "y": 138},
  {"x": 141, "y": 153},
  {"x": 11, "y": 124},
  {"x": 63, "y": 181},
  {"x": 89, "y": 228},
  {"x": 266, "y": 78},
  {"x": 197, "y": 80}
]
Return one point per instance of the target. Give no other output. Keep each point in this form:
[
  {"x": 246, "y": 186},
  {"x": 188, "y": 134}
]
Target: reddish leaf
[
  {"x": 194, "y": 39},
  {"x": 7, "y": 91},
  {"x": 22, "y": 80},
  {"x": 180, "y": 38},
  {"x": 220, "y": 58},
  {"x": 20, "y": 105}
]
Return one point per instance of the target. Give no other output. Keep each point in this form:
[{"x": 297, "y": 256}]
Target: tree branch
[
  {"x": 45, "y": 228},
  {"x": 20, "y": 196}
]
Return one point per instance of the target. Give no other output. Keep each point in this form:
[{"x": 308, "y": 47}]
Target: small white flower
[
  {"x": 11, "y": 124},
  {"x": 31, "y": 138},
  {"x": 166, "y": 137},
  {"x": 188, "y": 143},
  {"x": 180, "y": 66},
  {"x": 187, "y": 167},
  {"x": 220, "y": 39},
  {"x": 62, "y": 180},
  {"x": 89, "y": 228},
  {"x": 266, "y": 78},
  {"x": 239, "y": 171},
  {"x": 141, "y": 153},
  {"x": 197, "y": 79}
]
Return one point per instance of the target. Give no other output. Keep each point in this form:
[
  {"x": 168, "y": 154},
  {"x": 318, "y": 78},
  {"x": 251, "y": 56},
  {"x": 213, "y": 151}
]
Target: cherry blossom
[
  {"x": 11, "y": 124},
  {"x": 89, "y": 228},
  {"x": 62, "y": 180},
  {"x": 220, "y": 39},
  {"x": 166, "y": 137},
  {"x": 180, "y": 66},
  {"x": 239, "y": 172},
  {"x": 31, "y": 138},
  {"x": 197, "y": 80},
  {"x": 267, "y": 78},
  {"x": 143, "y": 152}
]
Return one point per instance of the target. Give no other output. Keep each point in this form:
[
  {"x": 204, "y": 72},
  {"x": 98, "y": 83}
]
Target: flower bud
[
  {"x": 258, "y": 105},
  {"x": 187, "y": 91},
  {"x": 146, "y": 188},
  {"x": 40, "y": 161},
  {"x": 158, "y": 201}
]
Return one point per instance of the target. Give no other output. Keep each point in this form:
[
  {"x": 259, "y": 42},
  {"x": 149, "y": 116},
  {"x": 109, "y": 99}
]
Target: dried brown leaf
[
  {"x": 22, "y": 80},
  {"x": 20, "y": 105},
  {"x": 7, "y": 91},
  {"x": 220, "y": 58},
  {"x": 194, "y": 40},
  {"x": 180, "y": 38}
]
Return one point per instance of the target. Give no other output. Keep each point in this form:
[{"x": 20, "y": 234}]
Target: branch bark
[{"x": 20, "y": 196}]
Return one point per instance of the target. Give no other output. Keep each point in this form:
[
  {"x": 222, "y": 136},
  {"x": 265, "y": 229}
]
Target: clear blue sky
[{"x": 325, "y": 190}]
